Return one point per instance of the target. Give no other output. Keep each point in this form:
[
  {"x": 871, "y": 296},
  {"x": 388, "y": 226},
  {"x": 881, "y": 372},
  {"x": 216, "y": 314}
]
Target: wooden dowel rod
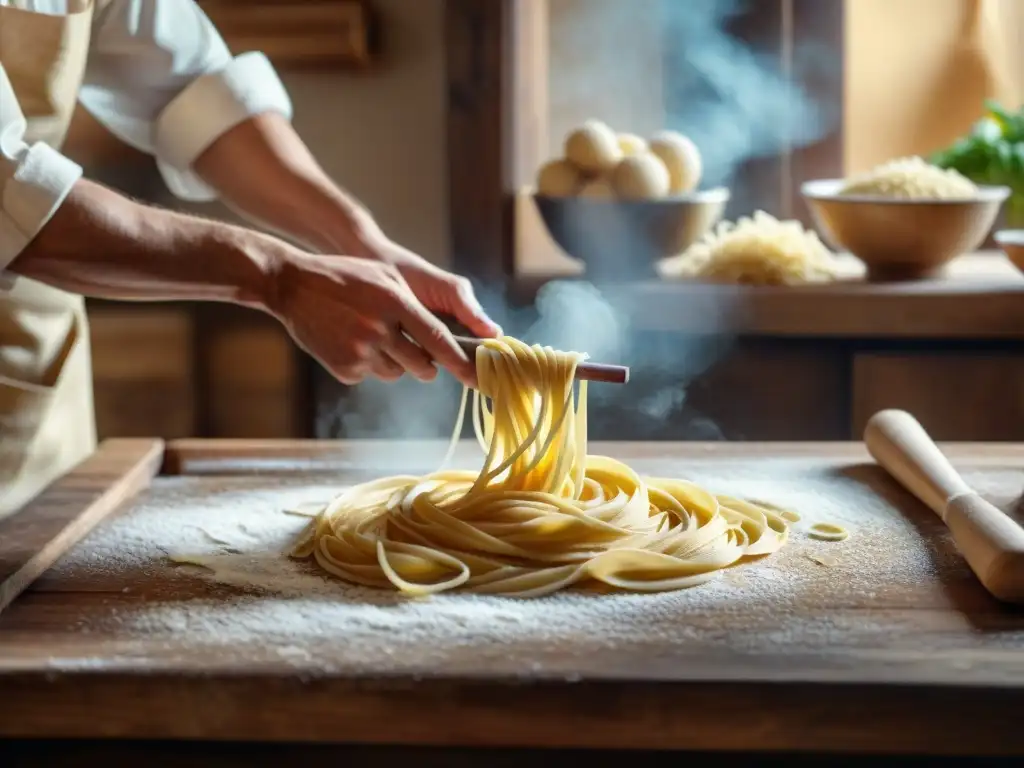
[{"x": 585, "y": 371}]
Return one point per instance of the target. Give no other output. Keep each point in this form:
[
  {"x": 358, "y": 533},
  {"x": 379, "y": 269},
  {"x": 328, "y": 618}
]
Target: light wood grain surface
[{"x": 894, "y": 648}]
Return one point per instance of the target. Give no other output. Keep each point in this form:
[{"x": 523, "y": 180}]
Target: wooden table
[{"x": 883, "y": 643}]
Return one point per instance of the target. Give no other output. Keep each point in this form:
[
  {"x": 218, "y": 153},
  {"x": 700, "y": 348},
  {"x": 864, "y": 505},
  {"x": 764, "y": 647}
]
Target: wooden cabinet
[
  {"x": 252, "y": 374},
  {"x": 143, "y": 372},
  {"x": 969, "y": 395},
  {"x": 181, "y": 371},
  {"x": 213, "y": 371},
  {"x": 777, "y": 390}
]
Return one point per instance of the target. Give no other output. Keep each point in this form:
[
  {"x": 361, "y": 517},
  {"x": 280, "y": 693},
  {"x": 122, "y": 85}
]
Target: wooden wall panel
[
  {"x": 777, "y": 390},
  {"x": 251, "y": 373},
  {"x": 331, "y": 34},
  {"x": 496, "y": 64},
  {"x": 974, "y": 396},
  {"x": 143, "y": 372}
]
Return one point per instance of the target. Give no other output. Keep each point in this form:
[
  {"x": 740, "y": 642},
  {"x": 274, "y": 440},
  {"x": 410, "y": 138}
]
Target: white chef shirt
[{"x": 160, "y": 77}]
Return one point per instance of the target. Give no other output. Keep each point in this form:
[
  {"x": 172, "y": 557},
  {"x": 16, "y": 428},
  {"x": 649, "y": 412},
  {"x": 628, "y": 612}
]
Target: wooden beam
[
  {"x": 299, "y": 34},
  {"x": 497, "y": 121},
  {"x": 823, "y": 23}
]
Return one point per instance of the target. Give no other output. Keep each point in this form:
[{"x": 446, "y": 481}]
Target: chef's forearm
[
  {"x": 263, "y": 170},
  {"x": 103, "y": 245}
]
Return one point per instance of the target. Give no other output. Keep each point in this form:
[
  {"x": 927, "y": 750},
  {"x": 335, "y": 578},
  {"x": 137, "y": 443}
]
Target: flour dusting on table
[{"x": 256, "y": 597}]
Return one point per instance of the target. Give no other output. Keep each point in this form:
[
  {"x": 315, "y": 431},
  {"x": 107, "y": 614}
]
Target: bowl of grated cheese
[{"x": 905, "y": 219}]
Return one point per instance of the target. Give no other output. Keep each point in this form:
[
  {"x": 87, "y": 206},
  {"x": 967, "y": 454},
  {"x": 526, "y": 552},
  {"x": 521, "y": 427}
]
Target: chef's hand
[
  {"x": 438, "y": 290},
  {"x": 360, "y": 317}
]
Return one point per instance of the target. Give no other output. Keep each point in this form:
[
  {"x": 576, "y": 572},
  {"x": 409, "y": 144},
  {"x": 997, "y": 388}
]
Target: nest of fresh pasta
[{"x": 542, "y": 514}]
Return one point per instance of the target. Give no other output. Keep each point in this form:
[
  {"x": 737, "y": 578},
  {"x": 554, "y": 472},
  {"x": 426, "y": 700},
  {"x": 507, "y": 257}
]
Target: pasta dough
[
  {"x": 682, "y": 159},
  {"x": 559, "y": 178},
  {"x": 593, "y": 148},
  {"x": 828, "y": 532},
  {"x": 541, "y": 515},
  {"x": 641, "y": 177}
]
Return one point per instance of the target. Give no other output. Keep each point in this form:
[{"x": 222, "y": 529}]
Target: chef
[{"x": 157, "y": 74}]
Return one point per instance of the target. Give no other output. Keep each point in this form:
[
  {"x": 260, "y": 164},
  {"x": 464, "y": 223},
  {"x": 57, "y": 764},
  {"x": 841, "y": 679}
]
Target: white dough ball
[
  {"x": 641, "y": 177},
  {"x": 593, "y": 148},
  {"x": 681, "y": 157},
  {"x": 631, "y": 144},
  {"x": 598, "y": 189},
  {"x": 558, "y": 178}
]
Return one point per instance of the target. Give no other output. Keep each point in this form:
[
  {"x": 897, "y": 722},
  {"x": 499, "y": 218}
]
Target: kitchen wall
[
  {"x": 915, "y": 81},
  {"x": 605, "y": 62},
  {"x": 383, "y": 135}
]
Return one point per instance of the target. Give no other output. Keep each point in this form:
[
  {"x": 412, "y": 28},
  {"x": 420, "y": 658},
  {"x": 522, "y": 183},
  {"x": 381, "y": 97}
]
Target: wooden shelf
[{"x": 980, "y": 297}]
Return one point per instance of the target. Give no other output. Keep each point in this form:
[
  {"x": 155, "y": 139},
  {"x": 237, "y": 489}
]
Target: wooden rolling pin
[
  {"x": 989, "y": 540},
  {"x": 585, "y": 371}
]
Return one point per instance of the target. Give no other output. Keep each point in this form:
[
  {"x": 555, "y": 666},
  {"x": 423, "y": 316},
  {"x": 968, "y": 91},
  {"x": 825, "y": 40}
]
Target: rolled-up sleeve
[
  {"x": 34, "y": 179},
  {"x": 161, "y": 78}
]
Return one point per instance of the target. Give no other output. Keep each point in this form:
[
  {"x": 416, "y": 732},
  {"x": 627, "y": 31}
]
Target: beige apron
[{"x": 46, "y": 410}]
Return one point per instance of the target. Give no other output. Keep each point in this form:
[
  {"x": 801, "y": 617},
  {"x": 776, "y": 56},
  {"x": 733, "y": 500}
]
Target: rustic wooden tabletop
[{"x": 883, "y": 643}]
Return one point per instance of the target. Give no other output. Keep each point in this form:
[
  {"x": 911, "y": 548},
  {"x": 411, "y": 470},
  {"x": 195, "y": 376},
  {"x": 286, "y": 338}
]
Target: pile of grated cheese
[{"x": 757, "y": 250}]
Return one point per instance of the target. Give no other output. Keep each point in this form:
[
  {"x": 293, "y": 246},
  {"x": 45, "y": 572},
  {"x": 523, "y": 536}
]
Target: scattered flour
[{"x": 247, "y": 594}]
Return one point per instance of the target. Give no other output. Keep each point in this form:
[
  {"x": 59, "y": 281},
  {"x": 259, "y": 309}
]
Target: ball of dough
[
  {"x": 598, "y": 189},
  {"x": 641, "y": 177},
  {"x": 558, "y": 178},
  {"x": 593, "y": 148},
  {"x": 681, "y": 157},
  {"x": 631, "y": 144}
]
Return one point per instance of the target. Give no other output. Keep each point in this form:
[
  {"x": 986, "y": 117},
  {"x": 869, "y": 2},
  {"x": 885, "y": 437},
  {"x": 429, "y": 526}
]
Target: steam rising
[
  {"x": 736, "y": 102},
  {"x": 567, "y": 315},
  {"x": 737, "y": 105}
]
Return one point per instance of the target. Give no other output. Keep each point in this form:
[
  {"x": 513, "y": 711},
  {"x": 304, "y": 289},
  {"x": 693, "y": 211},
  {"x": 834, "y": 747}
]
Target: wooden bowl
[
  {"x": 902, "y": 239},
  {"x": 1012, "y": 243},
  {"x": 625, "y": 239}
]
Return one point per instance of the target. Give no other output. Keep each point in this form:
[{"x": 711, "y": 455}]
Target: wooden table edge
[
  {"x": 233, "y": 456},
  {"x": 65, "y": 512},
  {"x": 531, "y": 714}
]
